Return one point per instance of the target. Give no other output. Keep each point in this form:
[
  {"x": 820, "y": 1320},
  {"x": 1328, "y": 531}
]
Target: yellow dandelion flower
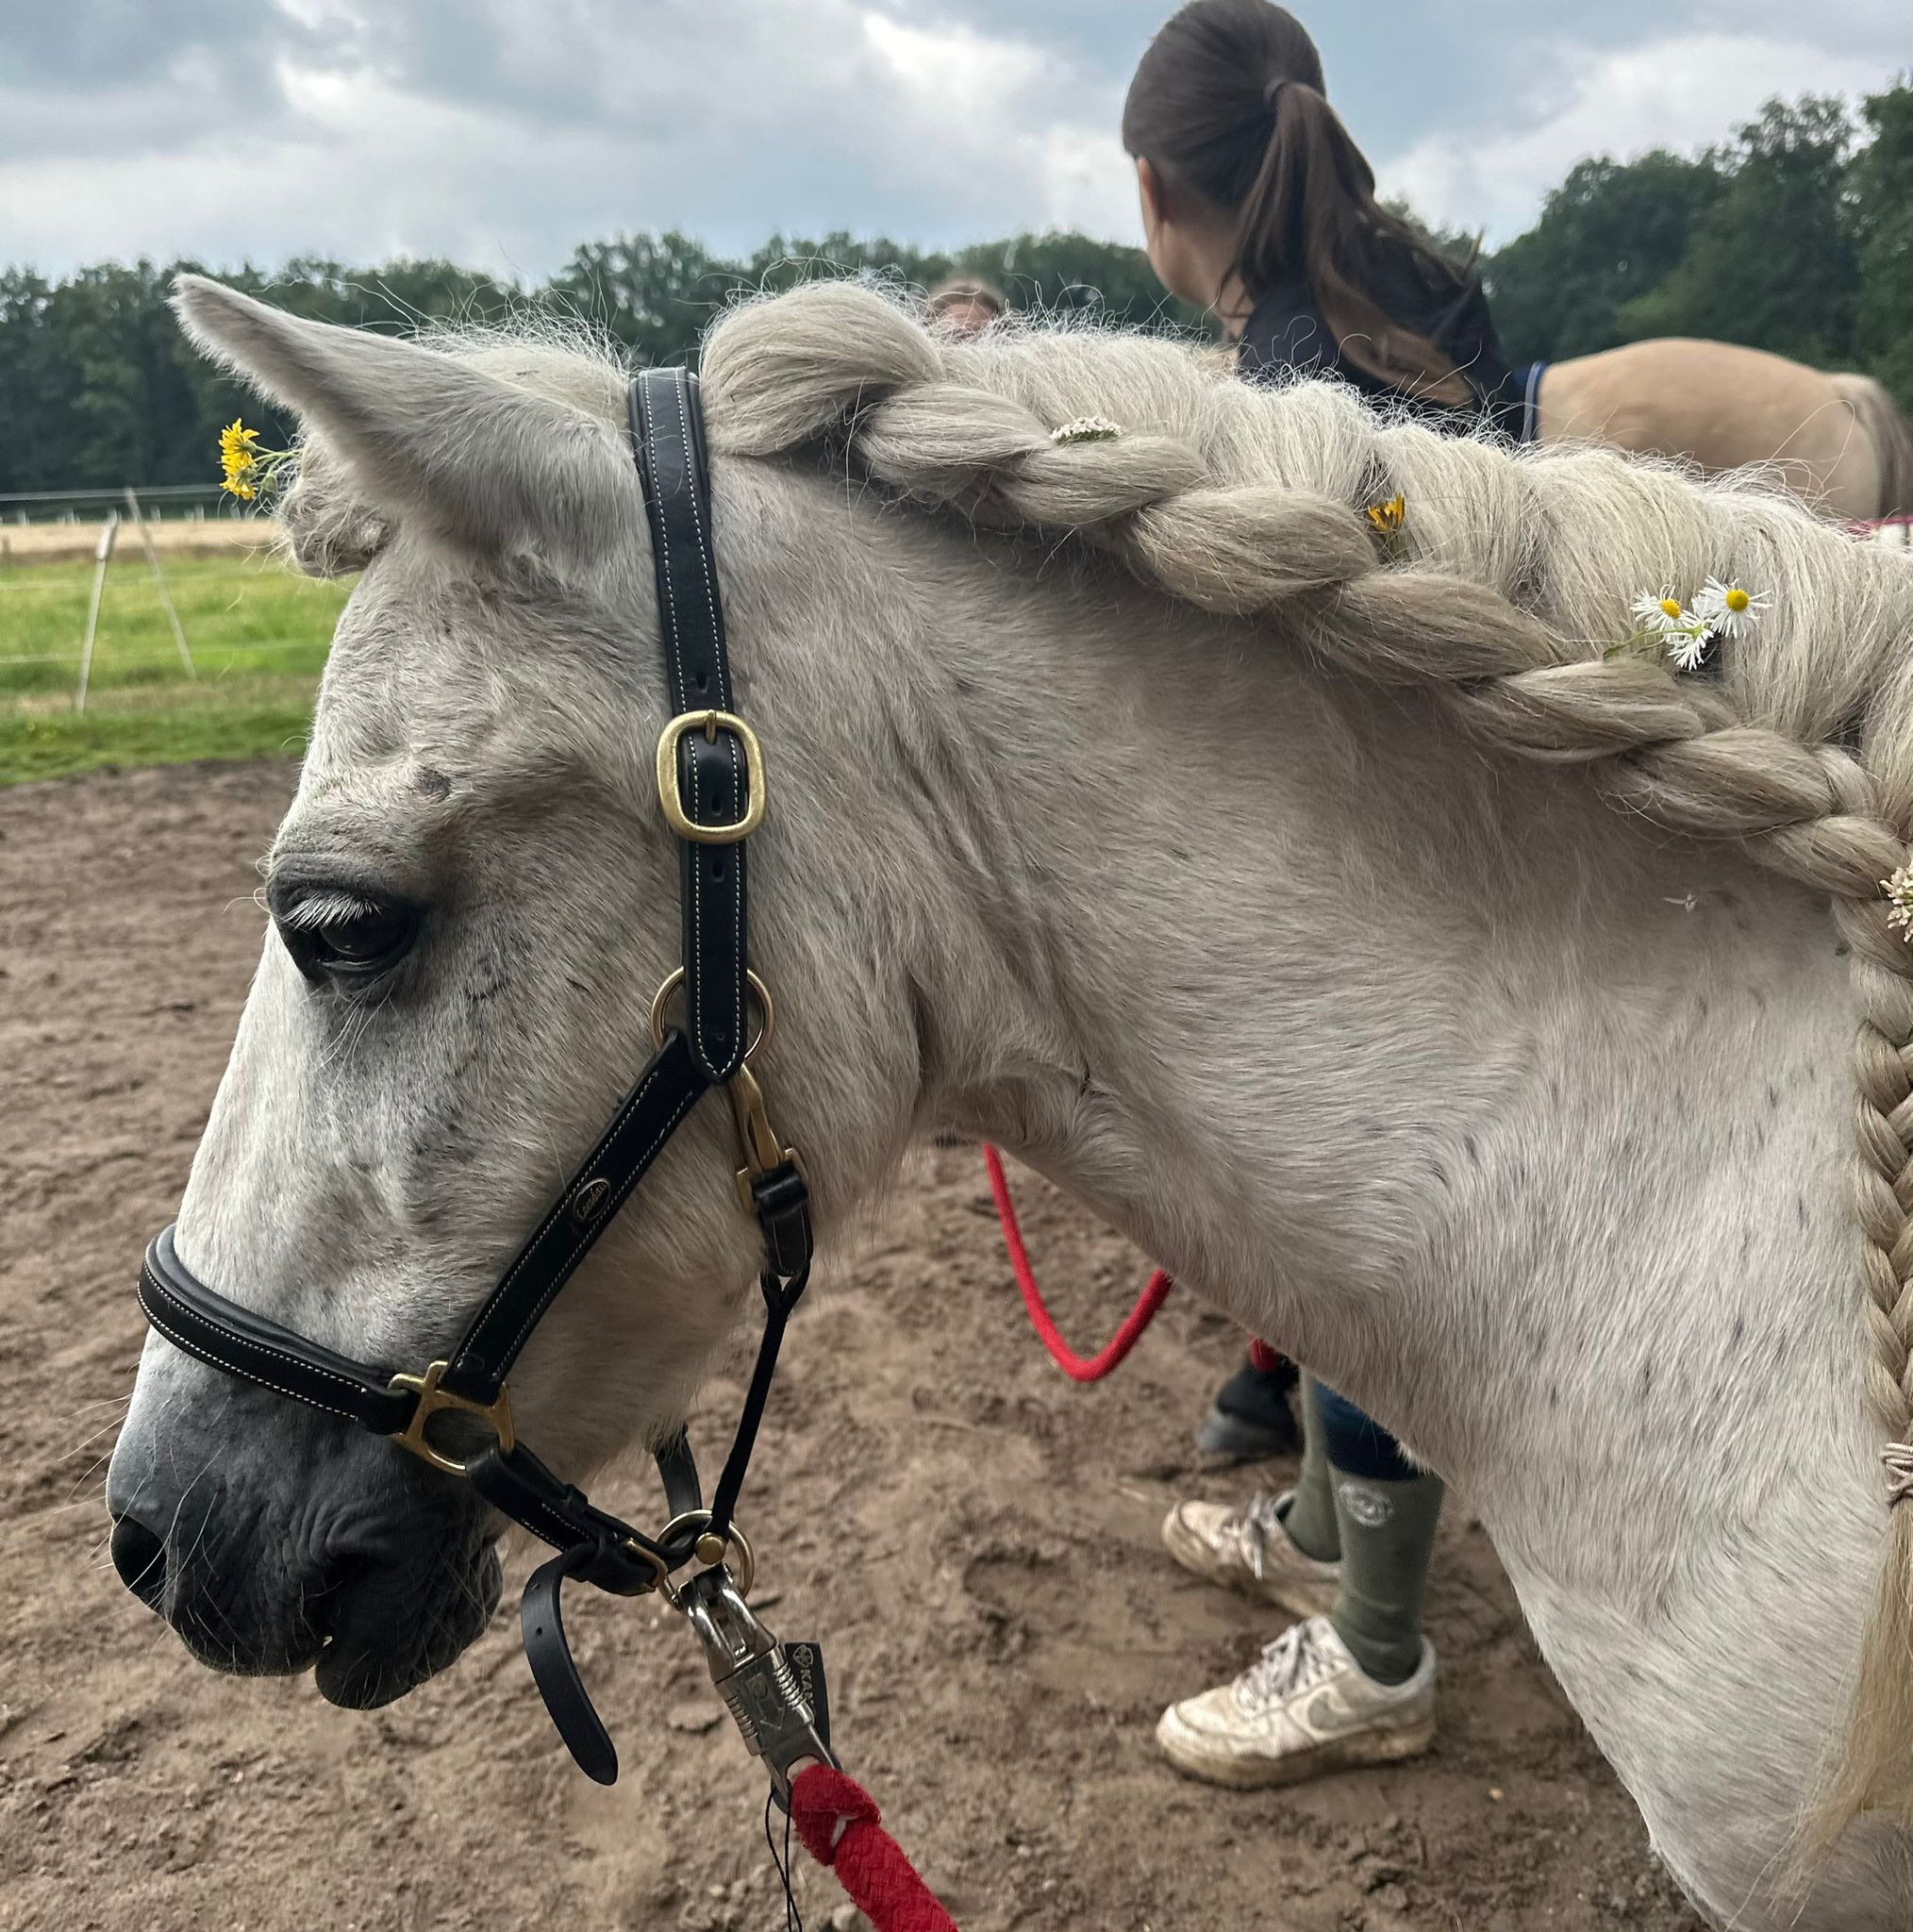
[
  {"x": 239, "y": 459},
  {"x": 1387, "y": 517},
  {"x": 246, "y": 471}
]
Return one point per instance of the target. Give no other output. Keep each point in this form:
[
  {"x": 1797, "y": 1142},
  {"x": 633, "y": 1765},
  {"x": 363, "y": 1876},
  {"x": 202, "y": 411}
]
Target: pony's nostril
[{"x": 140, "y": 1557}]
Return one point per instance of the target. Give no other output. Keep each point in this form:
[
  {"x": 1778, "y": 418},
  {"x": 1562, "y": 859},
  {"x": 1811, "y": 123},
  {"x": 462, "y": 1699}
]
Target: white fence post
[
  {"x": 159, "y": 579},
  {"x": 103, "y": 550}
]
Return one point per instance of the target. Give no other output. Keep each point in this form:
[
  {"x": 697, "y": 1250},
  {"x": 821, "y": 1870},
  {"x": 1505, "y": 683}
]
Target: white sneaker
[
  {"x": 1249, "y": 1550},
  {"x": 1304, "y": 1707}
]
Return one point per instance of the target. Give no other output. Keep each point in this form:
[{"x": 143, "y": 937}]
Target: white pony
[{"x": 1254, "y": 874}]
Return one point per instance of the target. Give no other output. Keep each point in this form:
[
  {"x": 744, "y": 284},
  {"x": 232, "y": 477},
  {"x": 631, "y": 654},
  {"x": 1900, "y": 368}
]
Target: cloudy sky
[{"x": 500, "y": 132}]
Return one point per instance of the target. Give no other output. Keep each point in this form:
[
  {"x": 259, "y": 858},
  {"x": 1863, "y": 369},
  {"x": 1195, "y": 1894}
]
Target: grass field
[{"x": 257, "y": 630}]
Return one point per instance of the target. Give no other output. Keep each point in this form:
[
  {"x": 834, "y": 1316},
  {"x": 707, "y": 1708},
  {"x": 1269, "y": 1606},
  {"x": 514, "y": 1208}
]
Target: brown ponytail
[{"x": 1229, "y": 101}]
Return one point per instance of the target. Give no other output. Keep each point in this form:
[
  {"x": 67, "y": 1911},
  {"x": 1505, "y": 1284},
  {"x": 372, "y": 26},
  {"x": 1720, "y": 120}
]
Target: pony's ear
[{"x": 426, "y": 437}]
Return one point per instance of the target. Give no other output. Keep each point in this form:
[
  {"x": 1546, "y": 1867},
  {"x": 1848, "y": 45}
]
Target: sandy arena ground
[{"x": 974, "y": 1539}]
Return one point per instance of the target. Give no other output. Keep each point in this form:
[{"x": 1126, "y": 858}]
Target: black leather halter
[{"x": 711, "y": 788}]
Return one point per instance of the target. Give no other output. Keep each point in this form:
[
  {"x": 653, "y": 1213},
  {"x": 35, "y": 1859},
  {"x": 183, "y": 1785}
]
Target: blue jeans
[{"x": 1358, "y": 1445}]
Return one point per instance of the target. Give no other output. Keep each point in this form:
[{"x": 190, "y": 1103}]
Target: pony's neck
[
  {"x": 1426, "y": 1067},
  {"x": 1524, "y": 1128}
]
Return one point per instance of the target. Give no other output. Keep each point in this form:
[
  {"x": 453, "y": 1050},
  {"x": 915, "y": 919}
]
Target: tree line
[{"x": 1796, "y": 236}]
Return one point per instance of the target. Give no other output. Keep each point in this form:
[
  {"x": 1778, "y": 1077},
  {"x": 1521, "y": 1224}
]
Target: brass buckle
[
  {"x": 660, "y": 1575},
  {"x": 711, "y": 723},
  {"x": 432, "y": 1398}
]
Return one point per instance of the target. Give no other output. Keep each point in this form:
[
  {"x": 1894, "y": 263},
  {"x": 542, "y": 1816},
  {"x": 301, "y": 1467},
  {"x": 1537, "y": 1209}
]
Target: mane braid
[{"x": 1500, "y": 596}]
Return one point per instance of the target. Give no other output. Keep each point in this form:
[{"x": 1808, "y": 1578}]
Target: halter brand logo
[{"x": 592, "y": 1198}]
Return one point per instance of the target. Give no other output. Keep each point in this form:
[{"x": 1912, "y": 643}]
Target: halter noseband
[{"x": 710, "y": 782}]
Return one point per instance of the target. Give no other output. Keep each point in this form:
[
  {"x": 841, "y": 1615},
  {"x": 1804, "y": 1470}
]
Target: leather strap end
[{"x": 555, "y": 1673}]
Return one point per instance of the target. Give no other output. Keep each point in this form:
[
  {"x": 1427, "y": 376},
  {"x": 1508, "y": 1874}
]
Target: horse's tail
[{"x": 1891, "y": 437}]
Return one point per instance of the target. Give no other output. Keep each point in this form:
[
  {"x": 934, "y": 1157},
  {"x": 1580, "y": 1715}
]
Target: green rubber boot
[
  {"x": 1311, "y": 1519},
  {"x": 1387, "y": 1532}
]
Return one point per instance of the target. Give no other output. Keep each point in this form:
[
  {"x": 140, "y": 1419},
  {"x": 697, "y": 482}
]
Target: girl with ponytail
[{"x": 1257, "y": 205}]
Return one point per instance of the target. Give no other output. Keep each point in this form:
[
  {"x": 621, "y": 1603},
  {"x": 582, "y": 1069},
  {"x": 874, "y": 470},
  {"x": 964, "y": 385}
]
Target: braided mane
[{"x": 1510, "y": 581}]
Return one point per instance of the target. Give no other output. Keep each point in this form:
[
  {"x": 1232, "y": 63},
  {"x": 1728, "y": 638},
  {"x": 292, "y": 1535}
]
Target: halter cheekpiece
[{"x": 711, "y": 788}]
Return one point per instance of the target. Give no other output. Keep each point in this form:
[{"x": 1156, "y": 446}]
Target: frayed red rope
[
  {"x": 1077, "y": 1368},
  {"x": 840, "y": 1826}
]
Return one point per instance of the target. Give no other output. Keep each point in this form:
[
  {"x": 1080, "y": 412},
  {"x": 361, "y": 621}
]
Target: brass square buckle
[
  {"x": 432, "y": 1398},
  {"x": 711, "y": 723}
]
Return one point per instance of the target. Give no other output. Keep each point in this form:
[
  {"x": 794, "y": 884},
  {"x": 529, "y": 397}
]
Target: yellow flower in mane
[
  {"x": 239, "y": 458},
  {"x": 1387, "y": 517},
  {"x": 247, "y": 470}
]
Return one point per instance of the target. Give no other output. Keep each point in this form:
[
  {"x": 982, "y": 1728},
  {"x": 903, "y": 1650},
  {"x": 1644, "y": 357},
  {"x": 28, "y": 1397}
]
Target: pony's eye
[{"x": 342, "y": 937}]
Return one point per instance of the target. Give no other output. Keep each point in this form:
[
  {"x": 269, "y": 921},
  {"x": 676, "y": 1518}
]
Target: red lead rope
[
  {"x": 839, "y": 1825},
  {"x": 1077, "y": 1368}
]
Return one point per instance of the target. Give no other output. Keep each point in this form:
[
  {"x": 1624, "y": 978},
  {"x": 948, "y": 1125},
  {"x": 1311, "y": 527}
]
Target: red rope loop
[
  {"x": 1077, "y": 1368},
  {"x": 840, "y": 1826}
]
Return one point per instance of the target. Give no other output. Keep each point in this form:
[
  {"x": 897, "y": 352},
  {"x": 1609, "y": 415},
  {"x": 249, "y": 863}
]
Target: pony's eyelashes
[{"x": 343, "y": 936}]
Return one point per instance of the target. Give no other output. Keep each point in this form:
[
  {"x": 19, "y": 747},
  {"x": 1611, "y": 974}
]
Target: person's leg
[
  {"x": 1310, "y": 1518},
  {"x": 1385, "y": 1514},
  {"x": 1249, "y": 1419},
  {"x": 1356, "y": 1686},
  {"x": 1253, "y": 1547}
]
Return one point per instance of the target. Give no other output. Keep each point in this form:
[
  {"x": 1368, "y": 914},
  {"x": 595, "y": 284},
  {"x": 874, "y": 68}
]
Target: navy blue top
[{"x": 1287, "y": 331}]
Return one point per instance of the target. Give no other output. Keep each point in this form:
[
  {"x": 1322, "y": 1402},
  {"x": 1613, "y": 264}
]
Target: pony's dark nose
[{"x": 140, "y": 1557}]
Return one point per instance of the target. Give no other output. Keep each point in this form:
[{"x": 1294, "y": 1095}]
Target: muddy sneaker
[
  {"x": 1304, "y": 1707},
  {"x": 1249, "y": 1550}
]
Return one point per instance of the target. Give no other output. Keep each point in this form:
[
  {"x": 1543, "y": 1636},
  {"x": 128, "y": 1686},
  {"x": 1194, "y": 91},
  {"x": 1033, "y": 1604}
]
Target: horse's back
[{"x": 1722, "y": 406}]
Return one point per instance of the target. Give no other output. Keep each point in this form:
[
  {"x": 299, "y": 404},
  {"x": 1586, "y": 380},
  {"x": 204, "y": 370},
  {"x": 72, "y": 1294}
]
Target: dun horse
[
  {"x": 1836, "y": 440},
  {"x": 1281, "y": 886}
]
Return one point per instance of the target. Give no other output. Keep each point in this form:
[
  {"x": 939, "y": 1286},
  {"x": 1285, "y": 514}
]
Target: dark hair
[{"x": 1229, "y": 102}]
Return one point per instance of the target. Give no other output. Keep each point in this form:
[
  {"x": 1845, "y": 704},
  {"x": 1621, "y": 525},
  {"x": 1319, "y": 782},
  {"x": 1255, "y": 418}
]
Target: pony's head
[{"x": 471, "y": 902}]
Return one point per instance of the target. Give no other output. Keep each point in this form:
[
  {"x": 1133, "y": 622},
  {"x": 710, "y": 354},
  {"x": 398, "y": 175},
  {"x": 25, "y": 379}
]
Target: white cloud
[
  {"x": 502, "y": 140},
  {"x": 992, "y": 106},
  {"x": 503, "y": 132},
  {"x": 1682, "y": 91}
]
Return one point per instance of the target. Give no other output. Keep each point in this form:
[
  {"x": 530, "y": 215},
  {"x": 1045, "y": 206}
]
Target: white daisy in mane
[
  {"x": 1660, "y": 615},
  {"x": 1689, "y": 643},
  {"x": 1727, "y": 610}
]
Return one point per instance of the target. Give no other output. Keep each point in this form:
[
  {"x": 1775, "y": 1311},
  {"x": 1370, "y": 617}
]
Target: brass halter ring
[
  {"x": 713, "y": 1550},
  {"x": 661, "y": 998}
]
